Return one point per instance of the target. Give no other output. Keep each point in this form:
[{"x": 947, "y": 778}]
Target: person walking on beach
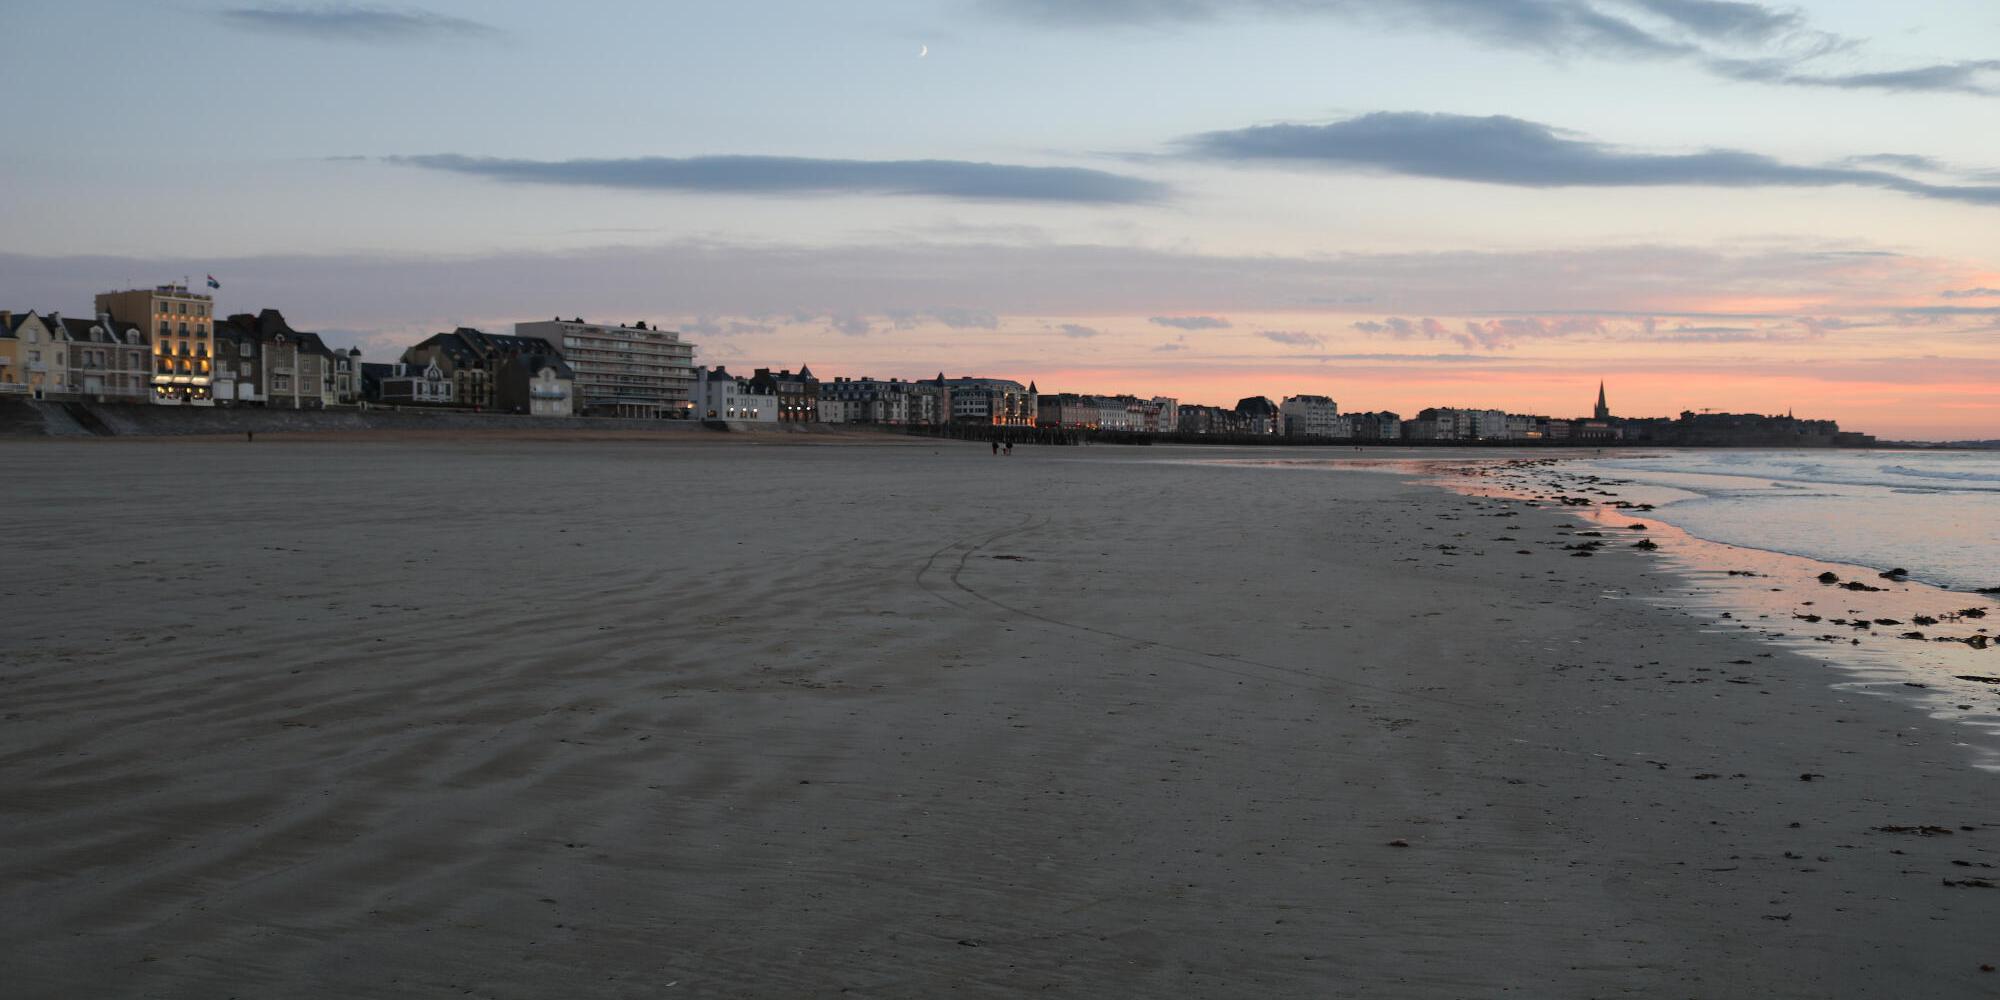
[
  {"x": 1010, "y": 448},
  {"x": 996, "y": 447}
]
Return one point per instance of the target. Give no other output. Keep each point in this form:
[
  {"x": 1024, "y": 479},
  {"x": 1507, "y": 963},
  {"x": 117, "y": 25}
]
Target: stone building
[
  {"x": 179, "y": 324},
  {"x": 798, "y": 394},
  {"x": 538, "y": 385},
  {"x": 261, "y": 361},
  {"x": 719, "y": 395},
  {"x": 1258, "y": 415},
  {"x": 407, "y": 385},
  {"x": 33, "y": 360}
]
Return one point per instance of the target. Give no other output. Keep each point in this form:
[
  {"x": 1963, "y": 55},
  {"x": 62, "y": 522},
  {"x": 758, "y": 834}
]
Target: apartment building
[
  {"x": 1310, "y": 417},
  {"x": 622, "y": 371}
]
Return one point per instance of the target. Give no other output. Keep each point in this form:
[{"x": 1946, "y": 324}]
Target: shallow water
[{"x": 1935, "y": 513}]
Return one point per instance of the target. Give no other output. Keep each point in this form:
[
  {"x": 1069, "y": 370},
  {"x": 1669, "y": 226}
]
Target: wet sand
[{"x": 608, "y": 718}]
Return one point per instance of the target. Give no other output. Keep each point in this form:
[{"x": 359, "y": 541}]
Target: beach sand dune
[{"x": 623, "y": 719}]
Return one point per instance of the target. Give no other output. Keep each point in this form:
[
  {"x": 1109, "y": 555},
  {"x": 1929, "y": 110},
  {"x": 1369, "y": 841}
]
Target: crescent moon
[{"x": 925, "y": 51}]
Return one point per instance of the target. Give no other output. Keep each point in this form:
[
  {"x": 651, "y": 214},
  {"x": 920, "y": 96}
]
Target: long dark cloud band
[
  {"x": 1519, "y": 153},
  {"x": 804, "y": 176},
  {"x": 1733, "y": 39},
  {"x": 353, "y": 22}
]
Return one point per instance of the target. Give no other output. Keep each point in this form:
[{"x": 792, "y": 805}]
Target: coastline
[{"x": 954, "y": 722}]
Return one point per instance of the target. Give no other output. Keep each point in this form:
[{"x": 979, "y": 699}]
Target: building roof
[{"x": 537, "y": 362}]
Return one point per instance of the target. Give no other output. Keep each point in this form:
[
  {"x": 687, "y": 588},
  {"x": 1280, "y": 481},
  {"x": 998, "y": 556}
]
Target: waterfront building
[
  {"x": 1310, "y": 417},
  {"x": 1166, "y": 414},
  {"x": 1067, "y": 410},
  {"x": 33, "y": 362},
  {"x": 1211, "y": 420},
  {"x": 1001, "y": 402},
  {"x": 408, "y": 385},
  {"x": 1524, "y": 427},
  {"x": 261, "y": 361},
  {"x": 637, "y": 371},
  {"x": 1446, "y": 423},
  {"x": 1095, "y": 412},
  {"x": 869, "y": 401},
  {"x": 719, "y": 395},
  {"x": 1120, "y": 413},
  {"x": 1258, "y": 415},
  {"x": 103, "y": 360},
  {"x": 461, "y": 363},
  {"x": 13, "y": 363},
  {"x": 1381, "y": 426},
  {"x": 798, "y": 394},
  {"x": 538, "y": 385},
  {"x": 180, "y": 326},
  {"x": 472, "y": 359}
]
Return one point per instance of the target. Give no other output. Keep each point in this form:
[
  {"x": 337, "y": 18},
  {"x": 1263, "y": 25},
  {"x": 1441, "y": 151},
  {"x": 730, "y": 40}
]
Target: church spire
[{"x": 1603, "y": 411}]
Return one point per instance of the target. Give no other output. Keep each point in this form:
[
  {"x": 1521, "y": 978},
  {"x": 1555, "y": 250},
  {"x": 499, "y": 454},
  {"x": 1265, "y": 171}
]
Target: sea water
[{"x": 1935, "y": 513}]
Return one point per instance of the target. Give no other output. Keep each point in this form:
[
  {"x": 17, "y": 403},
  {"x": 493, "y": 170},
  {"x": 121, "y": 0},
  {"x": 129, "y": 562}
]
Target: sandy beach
[{"x": 520, "y": 718}]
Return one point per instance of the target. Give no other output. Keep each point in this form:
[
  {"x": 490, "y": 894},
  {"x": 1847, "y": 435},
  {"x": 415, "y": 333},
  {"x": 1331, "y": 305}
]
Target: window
[
  {"x": 243, "y": 349},
  {"x": 281, "y": 383}
]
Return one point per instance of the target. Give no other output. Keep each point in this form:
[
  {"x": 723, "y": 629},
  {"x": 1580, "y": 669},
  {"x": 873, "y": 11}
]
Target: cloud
[
  {"x": 1978, "y": 76},
  {"x": 1970, "y": 293},
  {"x": 952, "y": 318},
  {"x": 800, "y": 285},
  {"x": 1499, "y": 149},
  {"x": 354, "y": 22},
  {"x": 1079, "y": 332},
  {"x": 1725, "y": 20},
  {"x": 1404, "y": 329},
  {"x": 1190, "y": 322},
  {"x": 708, "y": 326},
  {"x": 1170, "y": 347},
  {"x": 1498, "y": 334},
  {"x": 1290, "y": 338},
  {"x": 1744, "y": 41},
  {"x": 1508, "y": 332},
  {"x": 850, "y": 324},
  {"x": 788, "y": 175},
  {"x": 1543, "y": 25}
]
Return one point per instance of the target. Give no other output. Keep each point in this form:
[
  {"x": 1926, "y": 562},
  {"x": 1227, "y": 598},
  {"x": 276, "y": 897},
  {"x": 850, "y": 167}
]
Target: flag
[{"x": 212, "y": 283}]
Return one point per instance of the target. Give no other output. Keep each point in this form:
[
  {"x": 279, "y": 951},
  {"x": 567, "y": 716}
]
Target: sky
[{"x": 1735, "y": 206}]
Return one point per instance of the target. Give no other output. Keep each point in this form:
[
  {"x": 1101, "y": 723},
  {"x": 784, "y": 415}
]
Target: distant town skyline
[{"x": 1738, "y": 206}]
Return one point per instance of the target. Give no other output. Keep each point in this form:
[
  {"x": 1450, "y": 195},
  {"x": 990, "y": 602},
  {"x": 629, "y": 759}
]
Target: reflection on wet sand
[{"x": 1889, "y": 635}]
